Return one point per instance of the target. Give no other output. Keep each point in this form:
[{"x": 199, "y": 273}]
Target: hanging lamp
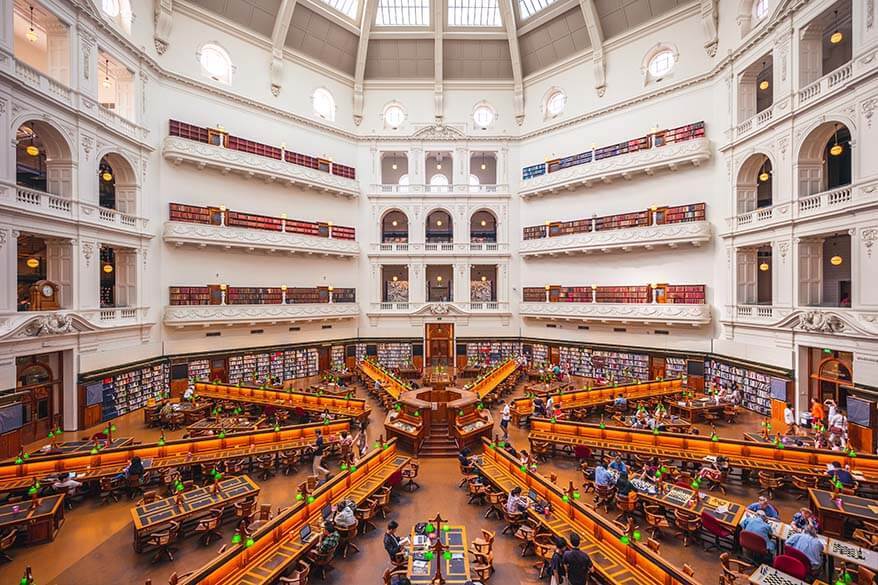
[
  {"x": 837, "y": 36},
  {"x": 836, "y": 148},
  {"x": 31, "y": 34}
]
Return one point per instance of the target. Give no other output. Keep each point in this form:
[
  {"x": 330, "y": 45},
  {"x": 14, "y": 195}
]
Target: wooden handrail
[
  {"x": 604, "y": 394},
  {"x": 355, "y": 407}
]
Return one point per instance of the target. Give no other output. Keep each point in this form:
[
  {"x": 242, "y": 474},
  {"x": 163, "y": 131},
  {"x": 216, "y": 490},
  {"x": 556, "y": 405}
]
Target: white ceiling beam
[
  {"x": 164, "y": 17},
  {"x": 710, "y": 24},
  {"x": 507, "y": 15},
  {"x": 596, "y": 36},
  {"x": 545, "y": 15},
  {"x": 370, "y": 8},
  {"x": 438, "y": 74},
  {"x": 278, "y": 40}
]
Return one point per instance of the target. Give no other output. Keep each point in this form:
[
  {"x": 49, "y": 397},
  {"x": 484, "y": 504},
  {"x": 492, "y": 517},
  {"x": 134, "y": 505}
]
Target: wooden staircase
[{"x": 439, "y": 442}]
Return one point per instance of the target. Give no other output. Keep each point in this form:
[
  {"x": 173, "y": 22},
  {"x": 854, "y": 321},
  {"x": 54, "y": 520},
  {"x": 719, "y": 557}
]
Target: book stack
[
  {"x": 576, "y": 360},
  {"x": 620, "y": 366},
  {"x": 300, "y": 363},
  {"x": 623, "y": 294},
  {"x": 128, "y": 391},
  {"x": 277, "y": 364},
  {"x": 674, "y": 367},
  {"x": 243, "y": 295},
  {"x": 755, "y": 387},
  {"x": 187, "y": 131},
  {"x": 343, "y": 171},
  {"x": 533, "y": 171},
  {"x": 540, "y": 353},
  {"x": 254, "y": 222},
  {"x": 622, "y": 221},
  {"x": 534, "y": 294},
  {"x": 360, "y": 351},
  {"x": 199, "y": 370},
  {"x": 189, "y": 213},
  {"x": 394, "y": 355},
  {"x": 534, "y": 232},
  {"x": 189, "y": 295},
  {"x": 336, "y": 357},
  {"x": 685, "y": 213},
  {"x": 491, "y": 352},
  {"x": 343, "y": 233},
  {"x": 689, "y": 294}
]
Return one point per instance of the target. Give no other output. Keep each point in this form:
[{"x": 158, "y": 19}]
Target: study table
[
  {"x": 614, "y": 561},
  {"x": 455, "y": 570},
  {"x": 65, "y": 447},
  {"x": 181, "y": 452},
  {"x": 679, "y": 447},
  {"x": 832, "y": 518},
  {"x": 42, "y": 522},
  {"x": 685, "y": 499},
  {"x": 187, "y": 505},
  {"x": 277, "y": 544},
  {"x": 388, "y": 381},
  {"x": 352, "y": 407},
  {"x": 489, "y": 381},
  {"x": 228, "y": 424},
  {"x": 692, "y": 410},
  {"x": 806, "y": 440},
  {"x": 671, "y": 423}
]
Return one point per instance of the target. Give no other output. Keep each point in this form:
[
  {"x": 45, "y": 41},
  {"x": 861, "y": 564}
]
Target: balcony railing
[
  {"x": 206, "y": 315},
  {"x": 22, "y": 324},
  {"x": 437, "y": 308},
  {"x": 825, "y": 84},
  {"x": 486, "y": 248},
  {"x": 390, "y": 189},
  {"x": 202, "y": 235},
  {"x": 827, "y": 202},
  {"x": 755, "y": 122},
  {"x": 42, "y": 203},
  {"x": 694, "y": 233},
  {"x": 647, "y": 313},
  {"x": 42, "y": 82}
]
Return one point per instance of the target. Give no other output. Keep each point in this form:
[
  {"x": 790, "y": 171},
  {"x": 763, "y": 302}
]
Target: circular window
[
  {"x": 324, "y": 105},
  {"x": 556, "y": 103},
  {"x": 394, "y": 115},
  {"x": 216, "y": 63},
  {"x": 483, "y": 116},
  {"x": 760, "y": 9},
  {"x": 661, "y": 63}
]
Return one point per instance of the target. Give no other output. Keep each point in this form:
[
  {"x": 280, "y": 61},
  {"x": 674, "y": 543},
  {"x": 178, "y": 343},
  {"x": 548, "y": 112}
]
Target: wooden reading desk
[
  {"x": 228, "y": 425},
  {"x": 685, "y": 499},
  {"x": 488, "y": 382},
  {"x": 614, "y": 561},
  {"x": 42, "y": 522},
  {"x": 277, "y": 544},
  {"x": 66, "y": 447},
  {"x": 150, "y": 517},
  {"x": 388, "y": 381},
  {"x": 832, "y": 518},
  {"x": 455, "y": 570},
  {"x": 692, "y": 410}
]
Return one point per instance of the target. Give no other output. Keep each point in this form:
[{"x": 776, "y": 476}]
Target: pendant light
[
  {"x": 32, "y": 262},
  {"x": 836, "y": 148},
  {"x": 107, "y": 176},
  {"x": 484, "y": 278},
  {"x": 837, "y": 36},
  {"x": 106, "y": 73},
  {"x": 31, "y": 34},
  {"x": 764, "y": 267},
  {"x": 763, "y": 174},
  {"x": 394, "y": 165},
  {"x": 483, "y": 166},
  {"x": 763, "y": 85},
  {"x": 108, "y": 268},
  {"x": 395, "y": 278},
  {"x": 32, "y": 149},
  {"x": 836, "y": 260}
]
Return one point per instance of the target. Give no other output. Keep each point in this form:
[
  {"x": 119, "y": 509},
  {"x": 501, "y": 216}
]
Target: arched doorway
[
  {"x": 825, "y": 162},
  {"x": 42, "y": 159},
  {"x": 829, "y": 379},
  {"x": 39, "y": 389}
]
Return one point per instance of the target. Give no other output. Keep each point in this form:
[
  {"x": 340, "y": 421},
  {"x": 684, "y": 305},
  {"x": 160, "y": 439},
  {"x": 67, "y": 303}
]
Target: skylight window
[
  {"x": 473, "y": 13},
  {"x": 346, "y": 7},
  {"x": 527, "y": 8},
  {"x": 403, "y": 13}
]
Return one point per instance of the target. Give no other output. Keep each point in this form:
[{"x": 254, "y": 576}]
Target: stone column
[
  {"x": 782, "y": 273},
  {"x": 88, "y": 274},
  {"x": 59, "y": 53},
  {"x": 417, "y": 282},
  {"x": 8, "y": 269},
  {"x": 417, "y": 172}
]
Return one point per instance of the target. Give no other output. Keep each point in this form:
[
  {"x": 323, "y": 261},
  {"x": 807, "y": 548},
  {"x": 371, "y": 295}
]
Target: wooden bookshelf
[
  {"x": 213, "y": 215},
  {"x": 634, "y": 219},
  {"x": 692, "y": 294},
  {"x": 243, "y": 295}
]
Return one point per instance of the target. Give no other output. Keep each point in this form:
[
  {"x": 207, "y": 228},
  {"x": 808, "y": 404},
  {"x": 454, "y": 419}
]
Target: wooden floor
[{"x": 95, "y": 543}]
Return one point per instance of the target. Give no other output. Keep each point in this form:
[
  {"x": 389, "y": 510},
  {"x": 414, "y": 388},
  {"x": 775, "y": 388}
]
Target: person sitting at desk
[
  {"x": 807, "y": 543},
  {"x": 539, "y": 407},
  {"x": 649, "y": 468},
  {"x": 525, "y": 460},
  {"x": 394, "y": 544},
  {"x": 167, "y": 410},
  {"x": 757, "y": 523},
  {"x": 65, "y": 481},
  {"x": 623, "y": 485},
  {"x": 516, "y": 503},
  {"x": 329, "y": 539},
  {"x": 465, "y": 458},
  {"x": 189, "y": 394},
  {"x": 837, "y": 472},
  {"x": 763, "y": 505},
  {"x": 620, "y": 401},
  {"x": 602, "y": 477},
  {"x": 557, "y": 413},
  {"x": 325, "y": 416},
  {"x": 344, "y": 516},
  {"x": 805, "y": 518},
  {"x": 714, "y": 471},
  {"x": 618, "y": 465}
]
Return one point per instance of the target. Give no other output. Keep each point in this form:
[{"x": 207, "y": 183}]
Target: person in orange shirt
[{"x": 817, "y": 412}]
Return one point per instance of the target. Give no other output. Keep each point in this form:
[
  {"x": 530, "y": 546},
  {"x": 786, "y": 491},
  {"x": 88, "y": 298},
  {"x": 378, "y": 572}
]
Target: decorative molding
[
  {"x": 842, "y": 322},
  {"x": 656, "y": 313},
  {"x": 179, "y": 150},
  {"x": 869, "y": 107},
  {"x": 670, "y": 157},
  {"x": 44, "y": 324},
  {"x": 202, "y": 235},
  {"x": 4, "y": 235},
  {"x": 709, "y": 23},
  {"x": 694, "y": 233},
  {"x": 868, "y": 236},
  {"x": 439, "y": 132},
  {"x": 88, "y": 250},
  {"x": 163, "y": 19},
  {"x": 184, "y": 316}
]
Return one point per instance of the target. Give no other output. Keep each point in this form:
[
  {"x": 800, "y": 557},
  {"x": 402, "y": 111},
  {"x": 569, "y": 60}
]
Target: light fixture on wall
[
  {"x": 31, "y": 34},
  {"x": 836, "y": 37},
  {"x": 836, "y": 260},
  {"x": 33, "y": 262},
  {"x": 439, "y": 222},
  {"x": 106, "y": 175},
  {"x": 32, "y": 150},
  {"x": 106, "y": 73},
  {"x": 108, "y": 268},
  {"x": 764, "y": 267},
  {"x": 763, "y": 85},
  {"x": 483, "y": 223},
  {"x": 394, "y": 223},
  {"x": 836, "y": 148},
  {"x": 438, "y": 166}
]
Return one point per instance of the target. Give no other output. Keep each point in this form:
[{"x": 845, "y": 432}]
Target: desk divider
[
  {"x": 307, "y": 401},
  {"x": 487, "y": 385},
  {"x": 389, "y": 382},
  {"x": 603, "y": 394}
]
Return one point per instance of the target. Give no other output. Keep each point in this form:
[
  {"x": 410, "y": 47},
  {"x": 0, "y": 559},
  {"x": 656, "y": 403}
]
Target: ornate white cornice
[
  {"x": 179, "y": 150},
  {"x": 203, "y": 235},
  {"x": 655, "y": 313},
  {"x": 21, "y": 326},
  {"x": 672, "y": 235},
  {"x": 183, "y": 316},
  {"x": 456, "y": 312},
  {"x": 836, "y": 321},
  {"x": 670, "y": 157}
]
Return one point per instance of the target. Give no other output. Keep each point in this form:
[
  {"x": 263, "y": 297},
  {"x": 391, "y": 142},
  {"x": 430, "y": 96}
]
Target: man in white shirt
[
  {"x": 504, "y": 419},
  {"x": 789, "y": 417},
  {"x": 550, "y": 404},
  {"x": 65, "y": 481}
]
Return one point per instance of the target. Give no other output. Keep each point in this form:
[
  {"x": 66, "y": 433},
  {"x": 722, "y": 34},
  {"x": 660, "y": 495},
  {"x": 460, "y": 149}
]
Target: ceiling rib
[
  {"x": 278, "y": 38},
  {"x": 596, "y": 36},
  {"x": 369, "y": 11},
  {"x": 507, "y": 15}
]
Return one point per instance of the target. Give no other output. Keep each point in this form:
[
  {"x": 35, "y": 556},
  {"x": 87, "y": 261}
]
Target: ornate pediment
[
  {"x": 439, "y": 132},
  {"x": 44, "y": 324},
  {"x": 440, "y": 310},
  {"x": 843, "y": 322}
]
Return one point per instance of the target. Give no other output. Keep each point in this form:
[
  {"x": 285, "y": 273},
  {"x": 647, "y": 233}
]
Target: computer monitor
[
  {"x": 304, "y": 533},
  {"x": 532, "y": 494}
]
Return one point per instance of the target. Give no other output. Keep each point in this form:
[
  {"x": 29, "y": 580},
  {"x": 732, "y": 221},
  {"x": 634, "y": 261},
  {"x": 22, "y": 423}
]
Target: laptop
[
  {"x": 532, "y": 495},
  {"x": 306, "y": 535},
  {"x": 327, "y": 511}
]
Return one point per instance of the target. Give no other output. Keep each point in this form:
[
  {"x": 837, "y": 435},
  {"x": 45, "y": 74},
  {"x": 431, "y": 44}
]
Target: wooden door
[
  {"x": 323, "y": 363},
  {"x": 657, "y": 368},
  {"x": 218, "y": 370},
  {"x": 439, "y": 344},
  {"x": 554, "y": 354}
]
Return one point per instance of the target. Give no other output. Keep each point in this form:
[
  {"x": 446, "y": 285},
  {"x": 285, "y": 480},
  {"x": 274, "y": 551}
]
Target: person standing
[
  {"x": 577, "y": 564},
  {"x": 505, "y": 416},
  {"x": 789, "y": 416},
  {"x": 556, "y": 563},
  {"x": 317, "y": 466},
  {"x": 818, "y": 414}
]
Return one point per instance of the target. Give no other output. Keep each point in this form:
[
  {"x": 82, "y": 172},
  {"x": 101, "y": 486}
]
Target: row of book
[
  {"x": 220, "y": 137},
  {"x": 659, "y": 216},
  {"x": 214, "y": 216},
  {"x": 491, "y": 352},
  {"x": 336, "y": 357},
  {"x": 609, "y": 366},
  {"x": 129, "y": 391},
  {"x": 755, "y": 386},
  {"x": 654, "y": 140},
  {"x": 692, "y": 294},
  {"x": 242, "y": 295},
  {"x": 395, "y": 355}
]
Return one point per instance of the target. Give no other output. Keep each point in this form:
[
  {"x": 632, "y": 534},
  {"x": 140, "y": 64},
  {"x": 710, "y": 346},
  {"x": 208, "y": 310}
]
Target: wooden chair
[
  {"x": 496, "y": 504},
  {"x": 541, "y": 450},
  {"x": 209, "y": 526},
  {"x": 769, "y": 483},
  {"x": 485, "y": 543},
  {"x": 389, "y": 574},
  {"x": 627, "y": 505},
  {"x": 865, "y": 575},
  {"x": 711, "y": 416},
  {"x": 290, "y": 462},
  {"x": 245, "y": 510},
  {"x": 382, "y": 501},
  {"x": 653, "y": 545},
  {"x": 6, "y": 542},
  {"x": 604, "y": 496},
  {"x": 266, "y": 466},
  {"x": 176, "y": 420},
  {"x": 734, "y": 570},
  {"x": 346, "y": 539},
  {"x": 655, "y": 519},
  {"x": 409, "y": 474},
  {"x": 149, "y": 497},
  {"x": 477, "y": 492},
  {"x": 730, "y": 413},
  {"x": 322, "y": 562},
  {"x": 803, "y": 483},
  {"x": 688, "y": 570},
  {"x": 687, "y": 525},
  {"x": 526, "y": 533},
  {"x": 866, "y": 538},
  {"x": 234, "y": 467},
  {"x": 513, "y": 521},
  {"x": 299, "y": 576},
  {"x": 467, "y": 472},
  {"x": 482, "y": 566},
  {"x": 164, "y": 541},
  {"x": 365, "y": 514},
  {"x": 133, "y": 486}
]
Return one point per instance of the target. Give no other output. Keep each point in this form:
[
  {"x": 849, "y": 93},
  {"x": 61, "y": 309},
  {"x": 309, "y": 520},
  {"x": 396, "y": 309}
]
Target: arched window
[
  {"x": 473, "y": 181},
  {"x": 394, "y": 115},
  {"x": 403, "y": 180},
  {"x": 324, "y": 105},
  {"x": 659, "y": 62},
  {"x": 760, "y": 9},
  {"x": 119, "y": 11},
  {"x": 215, "y": 63},
  {"x": 556, "y": 101},
  {"x": 439, "y": 180},
  {"x": 483, "y": 115}
]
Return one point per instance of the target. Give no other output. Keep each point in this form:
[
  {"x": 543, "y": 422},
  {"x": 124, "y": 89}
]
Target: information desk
[
  {"x": 523, "y": 407},
  {"x": 41, "y": 523},
  {"x": 228, "y": 425},
  {"x": 66, "y": 447},
  {"x": 198, "y": 502},
  {"x": 674, "y": 446},
  {"x": 388, "y": 381},
  {"x": 675, "y": 497},
  {"x": 109, "y": 462},
  {"x": 692, "y": 410},
  {"x": 616, "y": 562},
  {"x": 277, "y": 544},
  {"x": 352, "y": 407},
  {"x": 408, "y": 429},
  {"x": 331, "y": 389},
  {"x": 832, "y": 517},
  {"x": 487, "y": 383},
  {"x": 192, "y": 411},
  {"x": 454, "y": 570}
]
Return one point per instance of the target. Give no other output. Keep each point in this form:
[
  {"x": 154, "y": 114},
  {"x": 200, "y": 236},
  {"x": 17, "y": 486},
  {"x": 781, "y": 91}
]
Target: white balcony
[
  {"x": 40, "y": 204},
  {"x": 225, "y": 237},
  {"x": 207, "y": 315},
  {"x": 645, "y": 313},
  {"x": 180, "y": 150},
  {"x": 826, "y": 84},
  {"x": 30, "y": 324},
  {"x": 672, "y": 235},
  {"x": 444, "y": 249},
  {"x": 842, "y": 321},
  {"x": 817, "y": 206},
  {"x": 754, "y": 123},
  {"x": 430, "y": 311},
  {"x": 390, "y": 191},
  {"x": 644, "y": 162}
]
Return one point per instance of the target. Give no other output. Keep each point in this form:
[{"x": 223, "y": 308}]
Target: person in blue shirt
[
  {"x": 765, "y": 506},
  {"x": 602, "y": 477},
  {"x": 807, "y": 543},
  {"x": 841, "y": 474},
  {"x": 618, "y": 465},
  {"x": 758, "y": 524},
  {"x": 621, "y": 401}
]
